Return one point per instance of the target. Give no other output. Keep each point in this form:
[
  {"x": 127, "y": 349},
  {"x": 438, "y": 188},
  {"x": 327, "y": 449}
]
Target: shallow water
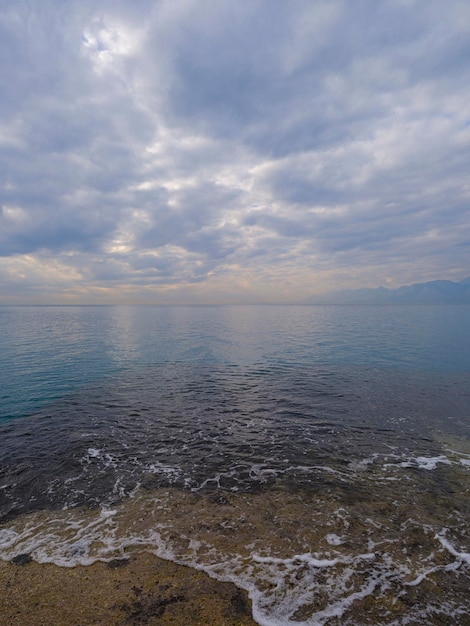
[{"x": 317, "y": 456}]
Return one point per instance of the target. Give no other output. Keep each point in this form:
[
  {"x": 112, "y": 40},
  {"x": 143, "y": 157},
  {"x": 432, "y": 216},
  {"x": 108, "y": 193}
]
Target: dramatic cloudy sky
[{"x": 231, "y": 150}]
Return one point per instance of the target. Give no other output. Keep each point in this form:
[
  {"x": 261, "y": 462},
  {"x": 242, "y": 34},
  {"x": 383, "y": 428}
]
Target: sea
[{"x": 316, "y": 456}]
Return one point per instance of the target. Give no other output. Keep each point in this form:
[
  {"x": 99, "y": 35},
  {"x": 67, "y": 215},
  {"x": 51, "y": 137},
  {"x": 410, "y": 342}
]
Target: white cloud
[{"x": 233, "y": 150}]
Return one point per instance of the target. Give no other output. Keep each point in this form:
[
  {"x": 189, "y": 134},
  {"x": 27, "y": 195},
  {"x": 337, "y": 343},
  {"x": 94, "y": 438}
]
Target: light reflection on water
[
  {"x": 319, "y": 456},
  {"x": 48, "y": 351}
]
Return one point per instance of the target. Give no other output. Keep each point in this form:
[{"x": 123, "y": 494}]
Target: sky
[{"x": 231, "y": 151}]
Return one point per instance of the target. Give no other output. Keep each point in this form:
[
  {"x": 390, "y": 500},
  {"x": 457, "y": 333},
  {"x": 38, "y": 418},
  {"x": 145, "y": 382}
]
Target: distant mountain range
[{"x": 433, "y": 292}]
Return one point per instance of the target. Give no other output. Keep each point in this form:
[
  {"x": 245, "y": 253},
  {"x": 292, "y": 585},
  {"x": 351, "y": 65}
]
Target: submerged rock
[{"x": 22, "y": 559}]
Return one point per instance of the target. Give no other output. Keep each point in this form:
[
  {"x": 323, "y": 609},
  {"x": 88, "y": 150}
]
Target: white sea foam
[
  {"x": 421, "y": 462},
  {"x": 397, "y": 460},
  {"x": 66, "y": 542},
  {"x": 169, "y": 471},
  {"x": 304, "y": 588},
  {"x": 279, "y": 607},
  {"x": 430, "y": 463},
  {"x": 363, "y": 463},
  {"x": 107, "y": 459},
  {"x": 215, "y": 480},
  {"x": 8, "y": 539},
  {"x": 289, "y": 583},
  {"x": 93, "y": 453},
  {"x": 464, "y": 557},
  {"x": 459, "y": 457},
  {"x": 334, "y": 540},
  {"x": 261, "y": 473}
]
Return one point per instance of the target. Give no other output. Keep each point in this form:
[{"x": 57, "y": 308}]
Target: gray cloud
[{"x": 193, "y": 149}]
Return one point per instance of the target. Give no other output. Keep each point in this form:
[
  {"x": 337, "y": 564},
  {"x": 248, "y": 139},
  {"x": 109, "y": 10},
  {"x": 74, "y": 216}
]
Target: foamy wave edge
[{"x": 278, "y": 587}]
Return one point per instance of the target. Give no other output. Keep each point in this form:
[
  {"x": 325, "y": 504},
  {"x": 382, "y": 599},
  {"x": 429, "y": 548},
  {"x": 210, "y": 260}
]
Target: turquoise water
[
  {"x": 48, "y": 351},
  {"x": 317, "y": 456}
]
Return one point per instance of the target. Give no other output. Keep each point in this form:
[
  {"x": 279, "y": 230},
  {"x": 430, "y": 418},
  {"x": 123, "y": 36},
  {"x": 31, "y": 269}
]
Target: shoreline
[
  {"x": 143, "y": 589},
  {"x": 362, "y": 549}
]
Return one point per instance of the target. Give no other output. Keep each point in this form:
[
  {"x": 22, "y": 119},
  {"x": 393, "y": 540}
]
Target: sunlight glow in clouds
[
  {"x": 105, "y": 43},
  {"x": 188, "y": 151}
]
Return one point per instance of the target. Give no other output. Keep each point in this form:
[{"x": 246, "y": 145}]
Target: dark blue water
[{"x": 362, "y": 411}]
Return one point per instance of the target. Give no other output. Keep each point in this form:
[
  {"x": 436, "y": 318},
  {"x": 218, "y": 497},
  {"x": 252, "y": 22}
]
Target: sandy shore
[{"x": 141, "y": 590}]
